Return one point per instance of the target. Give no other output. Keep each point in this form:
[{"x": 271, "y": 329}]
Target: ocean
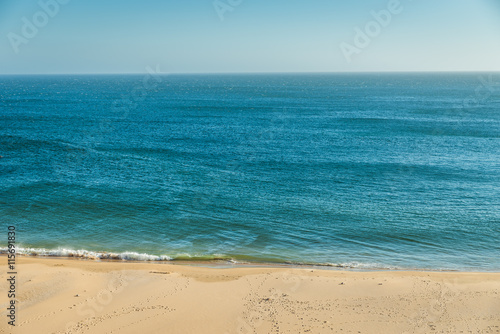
[{"x": 366, "y": 171}]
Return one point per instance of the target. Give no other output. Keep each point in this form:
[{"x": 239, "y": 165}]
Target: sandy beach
[{"x": 83, "y": 296}]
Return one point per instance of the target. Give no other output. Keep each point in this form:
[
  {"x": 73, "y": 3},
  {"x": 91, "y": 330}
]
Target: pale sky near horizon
[{"x": 188, "y": 36}]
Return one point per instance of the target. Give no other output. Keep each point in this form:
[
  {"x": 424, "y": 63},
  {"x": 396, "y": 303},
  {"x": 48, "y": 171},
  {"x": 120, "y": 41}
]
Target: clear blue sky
[{"x": 188, "y": 36}]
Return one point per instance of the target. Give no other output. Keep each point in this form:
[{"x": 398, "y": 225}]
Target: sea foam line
[
  {"x": 81, "y": 253},
  {"x": 134, "y": 256}
]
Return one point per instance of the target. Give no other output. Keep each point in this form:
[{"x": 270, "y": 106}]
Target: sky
[{"x": 226, "y": 36}]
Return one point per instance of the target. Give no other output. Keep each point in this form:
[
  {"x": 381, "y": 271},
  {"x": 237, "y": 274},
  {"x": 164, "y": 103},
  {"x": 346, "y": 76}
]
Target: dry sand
[{"x": 84, "y": 296}]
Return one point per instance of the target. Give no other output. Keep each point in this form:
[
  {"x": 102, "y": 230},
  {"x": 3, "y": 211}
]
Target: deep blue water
[{"x": 366, "y": 170}]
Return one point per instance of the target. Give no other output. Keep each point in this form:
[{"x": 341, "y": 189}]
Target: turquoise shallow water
[{"x": 359, "y": 170}]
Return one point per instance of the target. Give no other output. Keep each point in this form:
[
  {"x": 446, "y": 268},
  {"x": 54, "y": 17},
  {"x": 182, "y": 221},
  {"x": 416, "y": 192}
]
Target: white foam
[
  {"x": 81, "y": 253},
  {"x": 358, "y": 265},
  {"x": 134, "y": 256}
]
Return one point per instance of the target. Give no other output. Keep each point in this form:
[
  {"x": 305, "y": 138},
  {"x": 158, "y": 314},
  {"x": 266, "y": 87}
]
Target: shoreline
[
  {"x": 227, "y": 264},
  {"x": 65, "y": 295}
]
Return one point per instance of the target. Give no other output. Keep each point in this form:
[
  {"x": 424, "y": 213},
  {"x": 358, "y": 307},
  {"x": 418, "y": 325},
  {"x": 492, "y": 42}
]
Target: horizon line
[{"x": 229, "y": 73}]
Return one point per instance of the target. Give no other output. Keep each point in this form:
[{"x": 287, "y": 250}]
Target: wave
[
  {"x": 124, "y": 256},
  {"x": 85, "y": 254},
  {"x": 144, "y": 257}
]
